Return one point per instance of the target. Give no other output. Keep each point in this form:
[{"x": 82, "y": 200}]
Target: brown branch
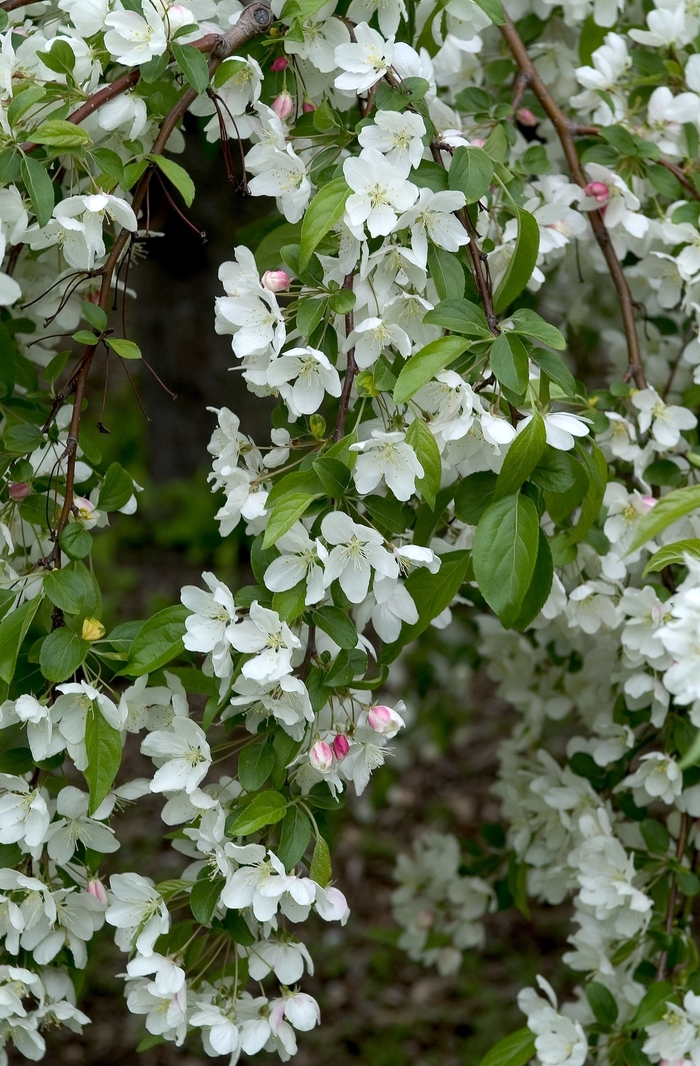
[
  {"x": 680, "y": 177},
  {"x": 255, "y": 20},
  {"x": 600, "y": 232},
  {"x": 350, "y": 370},
  {"x": 673, "y": 895}
]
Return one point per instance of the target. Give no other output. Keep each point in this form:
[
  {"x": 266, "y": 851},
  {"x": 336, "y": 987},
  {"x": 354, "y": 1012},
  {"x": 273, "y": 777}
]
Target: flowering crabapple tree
[{"x": 473, "y": 201}]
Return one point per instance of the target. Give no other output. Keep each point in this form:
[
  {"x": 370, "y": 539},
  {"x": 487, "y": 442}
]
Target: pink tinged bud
[
  {"x": 276, "y": 280},
  {"x": 321, "y": 757},
  {"x": 527, "y": 117},
  {"x": 19, "y": 491},
  {"x": 308, "y": 106},
  {"x": 649, "y": 502},
  {"x": 598, "y": 190},
  {"x": 384, "y": 720},
  {"x": 341, "y": 746},
  {"x": 477, "y": 142},
  {"x": 97, "y": 889},
  {"x": 283, "y": 105},
  {"x": 281, "y": 63}
]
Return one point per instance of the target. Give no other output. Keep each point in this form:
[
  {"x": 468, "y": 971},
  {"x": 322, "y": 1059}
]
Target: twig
[
  {"x": 565, "y": 133},
  {"x": 255, "y": 20}
]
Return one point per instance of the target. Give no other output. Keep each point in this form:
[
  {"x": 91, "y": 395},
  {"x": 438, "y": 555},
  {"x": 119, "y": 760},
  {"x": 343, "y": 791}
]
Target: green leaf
[
  {"x": 597, "y": 470},
  {"x": 94, "y": 315},
  {"x": 555, "y": 471},
  {"x": 425, "y": 446},
  {"x": 85, "y": 336},
  {"x": 326, "y": 208},
  {"x": 474, "y": 494},
  {"x": 335, "y": 622},
  {"x": 333, "y": 475},
  {"x": 531, "y": 324},
  {"x": 504, "y": 553},
  {"x": 255, "y": 764},
  {"x": 23, "y": 99},
  {"x": 509, "y": 363},
  {"x": 342, "y": 301},
  {"x": 602, "y": 1003},
  {"x": 692, "y": 755},
  {"x": 157, "y": 642},
  {"x": 471, "y": 172},
  {"x": 204, "y": 898},
  {"x": 522, "y": 457},
  {"x": 40, "y": 188},
  {"x": 422, "y": 367},
  {"x": 75, "y": 541},
  {"x": 320, "y": 870},
  {"x": 300, "y": 481},
  {"x": 522, "y": 264},
  {"x": 66, "y": 590},
  {"x": 555, "y": 368},
  {"x": 656, "y": 836},
  {"x": 104, "y": 754},
  {"x": 672, "y": 553},
  {"x": 60, "y": 134},
  {"x": 23, "y": 438},
  {"x": 431, "y": 593},
  {"x": 193, "y": 65},
  {"x": 124, "y": 349},
  {"x": 689, "y": 883},
  {"x": 116, "y": 489},
  {"x": 177, "y": 175},
  {"x": 459, "y": 316},
  {"x": 652, "y": 1007},
  {"x": 514, "y": 1050},
  {"x": 540, "y": 586},
  {"x": 264, "y": 809},
  {"x": 110, "y": 162},
  {"x": 284, "y": 514},
  {"x": 667, "y": 510},
  {"x": 294, "y": 837},
  {"x": 446, "y": 271},
  {"x": 290, "y": 603},
  {"x": 60, "y": 58},
  {"x": 61, "y": 654},
  {"x": 237, "y": 928}
]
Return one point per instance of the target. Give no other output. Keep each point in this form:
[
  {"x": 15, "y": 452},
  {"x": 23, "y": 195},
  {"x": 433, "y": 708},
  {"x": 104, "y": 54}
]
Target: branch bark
[
  {"x": 350, "y": 370},
  {"x": 564, "y": 131}
]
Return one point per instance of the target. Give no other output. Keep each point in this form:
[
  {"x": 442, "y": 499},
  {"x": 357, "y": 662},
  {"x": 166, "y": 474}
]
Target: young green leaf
[
  {"x": 673, "y": 553},
  {"x": 40, "y": 188},
  {"x": 204, "y": 898},
  {"x": 255, "y": 764},
  {"x": 422, "y": 367},
  {"x": 176, "y": 174},
  {"x": 665, "y": 511},
  {"x": 285, "y": 513},
  {"x": 471, "y": 172},
  {"x": 530, "y": 324},
  {"x": 514, "y": 1050},
  {"x": 193, "y": 65},
  {"x": 295, "y": 834},
  {"x": 335, "y": 622},
  {"x": 13, "y": 630},
  {"x": 326, "y": 208},
  {"x": 522, "y": 263},
  {"x": 61, "y": 654},
  {"x": 602, "y": 1003},
  {"x": 116, "y": 490},
  {"x": 60, "y": 134},
  {"x": 459, "y": 316},
  {"x": 124, "y": 349},
  {"x": 509, "y": 363},
  {"x": 522, "y": 457},
  {"x": 104, "y": 754},
  {"x": 446, "y": 271},
  {"x": 157, "y": 642},
  {"x": 264, "y": 809},
  {"x": 424, "y": 445},
  {"x": 505, "y": 550},
  {"x": 320, "y": 870}
]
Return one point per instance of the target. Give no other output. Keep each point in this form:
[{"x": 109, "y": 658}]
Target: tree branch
[
  {"x": 255, "y": 20},
  {"x": 673, "y": 894},
  {"x": 564, "y": 131}
]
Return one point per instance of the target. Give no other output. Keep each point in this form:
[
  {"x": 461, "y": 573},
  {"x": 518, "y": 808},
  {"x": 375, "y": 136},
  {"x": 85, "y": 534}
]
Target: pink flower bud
[
  {"x": 384, "y": 720},
  {"x": 276, "y": 280},
  {"x": 283, "y": 105},
  {"x": 308, "y": 106},
  {"x": 19, "y": 491},
  {"x": 649, "y": 502},
  {"x": 281, "y": 63},
  {"x": 527, "y": 117},
  {"x": 598, "y": 190},
  {"x": 321, "y": 757},
  {"x": 341, "y": 746},
  {"x": 97, "y": 889},
  {"x": 477, "y": 142}
]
